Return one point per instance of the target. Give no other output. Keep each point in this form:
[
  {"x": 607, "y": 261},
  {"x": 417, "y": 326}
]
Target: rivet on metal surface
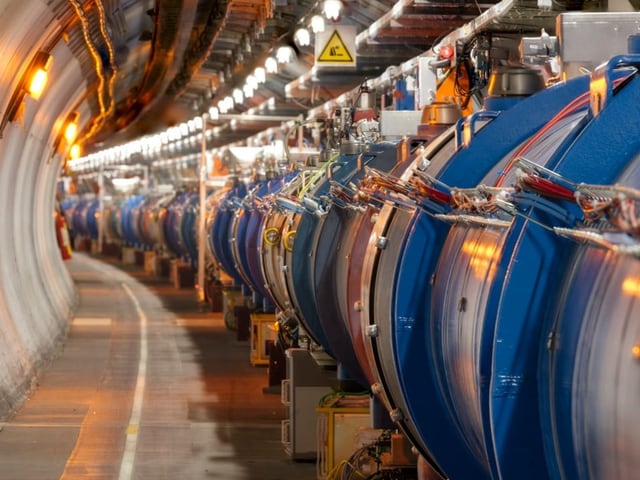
[
  {"x": 357, "y": 306},
  {"x": 552, "y": 341},
  {"x": 396, "y": 415},
  {"x": 372, "y": 330},
  {"x": 376, "y": 388},
  {"x": 382, "y": 242},
  {"x": 285, "y": 268}
]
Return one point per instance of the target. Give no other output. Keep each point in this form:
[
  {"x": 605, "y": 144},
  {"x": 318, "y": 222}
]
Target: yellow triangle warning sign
[{"x": 335, "y": 51}]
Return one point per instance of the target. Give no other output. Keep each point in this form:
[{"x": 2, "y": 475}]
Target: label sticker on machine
[
  {"x": 336, "y": 47},
  {"x": 406, "y": 323}
]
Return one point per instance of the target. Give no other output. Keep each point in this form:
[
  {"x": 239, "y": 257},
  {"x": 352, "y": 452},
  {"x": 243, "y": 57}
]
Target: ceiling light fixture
[
  {"x": 225, "y": 105},
  {"x": 332, "y": 9},
  {"x": 271, "y": 65},
  {"x": 75, "y": 151},
  {"x": 317, "y": 24},
  {"x": 285, "y": 54},
  {"x": 238, "y": 96},
  {"x": 38, "y": 74},
  {"x": 260, "y": 74},
  {"x": 252, "y": 81},
  {"x": 71, "y": 127},
  {"x": 67, "y": 134},
  {"x": 33, "y": 82},
  {"x": 302, "y": 37}
]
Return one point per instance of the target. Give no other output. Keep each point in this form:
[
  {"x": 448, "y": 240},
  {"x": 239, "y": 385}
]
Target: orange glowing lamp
[
  {"x": 38, "y": 75},
  {"x": 75, "y": 151},
  {"x": 71, "y": 128}
]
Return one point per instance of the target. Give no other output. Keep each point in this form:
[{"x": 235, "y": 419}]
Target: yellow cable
[
  {"x": 337, "y": 469},
  {"x": 316, "y": 176}
]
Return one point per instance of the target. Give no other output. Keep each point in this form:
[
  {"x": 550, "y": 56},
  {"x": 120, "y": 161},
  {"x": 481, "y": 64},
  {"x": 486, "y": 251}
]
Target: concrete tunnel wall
[{"x": 37, "y": 295}]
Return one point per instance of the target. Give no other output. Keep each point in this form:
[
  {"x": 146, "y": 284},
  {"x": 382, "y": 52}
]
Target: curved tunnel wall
[{"x": 37, "y": 295}]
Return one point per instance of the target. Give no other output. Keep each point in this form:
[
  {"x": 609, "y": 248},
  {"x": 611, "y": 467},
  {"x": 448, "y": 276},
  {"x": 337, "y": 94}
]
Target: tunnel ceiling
[{"x": 173, "y": 59}]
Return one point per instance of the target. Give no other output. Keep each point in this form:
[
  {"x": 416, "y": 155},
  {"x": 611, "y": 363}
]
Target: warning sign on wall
[{"x": 336, "y": 47}]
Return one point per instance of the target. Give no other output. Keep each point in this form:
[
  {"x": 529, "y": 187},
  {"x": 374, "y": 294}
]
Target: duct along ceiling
[{"x": 150, "y": 65}]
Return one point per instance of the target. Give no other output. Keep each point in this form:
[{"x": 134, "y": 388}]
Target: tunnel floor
[{"x": 148, "y": 386}]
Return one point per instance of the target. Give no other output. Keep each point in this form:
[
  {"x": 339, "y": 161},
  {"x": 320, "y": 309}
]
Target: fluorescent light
[
  {"x": 238, "y": 96},
  {"x": 332, "y": 9},
  {"x": 285, "y": 54},
  {"x": 317, "y": 24},
  {"x": 302, "y": 37},
  {"x": 271, "y": 65}
]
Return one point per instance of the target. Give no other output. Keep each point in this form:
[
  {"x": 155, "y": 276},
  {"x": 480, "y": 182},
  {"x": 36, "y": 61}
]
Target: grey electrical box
[
  {"x": 398, "y": 123},
  {"x": 304, "y": 387},
  {"x": 587, "y": 39}
]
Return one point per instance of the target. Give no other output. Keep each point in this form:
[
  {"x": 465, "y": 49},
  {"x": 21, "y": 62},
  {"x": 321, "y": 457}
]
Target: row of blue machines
[{"x": 481, "y": 281}]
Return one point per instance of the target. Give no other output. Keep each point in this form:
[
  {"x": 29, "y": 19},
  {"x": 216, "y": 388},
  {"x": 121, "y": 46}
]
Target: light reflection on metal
[
  {"x": 482, "y": 257},
  {"x": 112, "y": 60},
  {"x": 105, "y": 110},
  {"x": 631, "y": 286}
]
